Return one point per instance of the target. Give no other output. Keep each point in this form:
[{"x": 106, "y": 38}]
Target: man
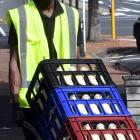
[
  {"x": 41, "y": 29},
  {"x": 136, "y": 32}
]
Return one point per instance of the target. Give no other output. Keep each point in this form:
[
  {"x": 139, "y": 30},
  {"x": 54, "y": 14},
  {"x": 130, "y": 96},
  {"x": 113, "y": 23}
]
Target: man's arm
[{"x": 14, "y": 75}]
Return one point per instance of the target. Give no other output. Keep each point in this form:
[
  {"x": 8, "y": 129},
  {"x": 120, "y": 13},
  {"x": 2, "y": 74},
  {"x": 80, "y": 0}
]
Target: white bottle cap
[
  {"x": 98, "y": 96},
  {"x": 112, "y": 126},
  {"x": 73, "y": 68},
  {"x": 59, "y": 69},
  {"x": 73, "y": 97},
  {"x": 86, "y": 96},
  {"x": 86, "y": 127},
  {"x": 84, "y": 68},
  {"x": 100, "y": 126}
]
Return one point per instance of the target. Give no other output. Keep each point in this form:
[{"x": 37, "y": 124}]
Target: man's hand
[
  {"x": 17, "y": 115},
  {"x": 14, "y": 85}
]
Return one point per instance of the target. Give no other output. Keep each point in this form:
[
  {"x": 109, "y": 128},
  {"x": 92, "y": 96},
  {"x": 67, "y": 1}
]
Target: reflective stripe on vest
[
  {"x": 23, "y": 48},
  {"x": 72, "y": 32}
]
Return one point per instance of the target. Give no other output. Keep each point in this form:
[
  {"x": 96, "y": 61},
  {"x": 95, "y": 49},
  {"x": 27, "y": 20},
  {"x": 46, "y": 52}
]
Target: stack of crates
[{"x": 82, "y": 104}]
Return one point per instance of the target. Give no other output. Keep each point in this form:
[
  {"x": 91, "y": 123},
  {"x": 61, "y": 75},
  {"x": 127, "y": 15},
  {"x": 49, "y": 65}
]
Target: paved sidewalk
[
  {"x": 108, "y": 43},
  {"x": 93, "y": 50},
  {"x": 104, "y": 50}
]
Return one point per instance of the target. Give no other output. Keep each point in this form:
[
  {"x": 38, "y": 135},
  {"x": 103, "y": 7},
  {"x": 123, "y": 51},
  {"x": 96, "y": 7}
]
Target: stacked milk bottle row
[{"x": 78, "y": 102}]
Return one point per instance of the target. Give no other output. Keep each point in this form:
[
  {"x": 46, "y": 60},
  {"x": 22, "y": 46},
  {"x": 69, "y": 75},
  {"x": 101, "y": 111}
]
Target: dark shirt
[{"x": 49, "y": 24}]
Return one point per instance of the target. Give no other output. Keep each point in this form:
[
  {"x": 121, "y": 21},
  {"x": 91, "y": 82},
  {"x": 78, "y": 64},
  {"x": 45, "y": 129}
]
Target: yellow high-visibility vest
[{"x": 32, "y": 41}]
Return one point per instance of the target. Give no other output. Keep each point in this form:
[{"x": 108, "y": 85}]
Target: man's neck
[{"x": 48, "y": 11}]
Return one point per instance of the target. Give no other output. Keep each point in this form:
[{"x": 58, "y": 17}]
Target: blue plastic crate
[
  {"x": 69, "y": 108},
  {"x": 49, "y": 129},
  {"x": 111, "y": 103}
]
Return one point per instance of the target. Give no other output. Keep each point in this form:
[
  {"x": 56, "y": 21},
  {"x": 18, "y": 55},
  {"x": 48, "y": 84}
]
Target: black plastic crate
[{"x": 71, "y": 72}]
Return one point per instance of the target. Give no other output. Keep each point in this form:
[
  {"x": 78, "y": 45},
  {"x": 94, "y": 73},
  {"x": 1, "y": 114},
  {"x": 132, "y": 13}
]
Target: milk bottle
[
  {"x": 102, "y": 126},
  {"x": 106, "y": 106},
  {"x": 73, "y": 97},
  {"x": 93, "y": 136},
  {"x": 81, "y": 107},
  {"x": 112, "y": 126},
  {"x": 92, "y": 78},
  {"x": 68, "y": 78},
  {"x": 80, "y": 78},
  {"x": 119, "y": 135},
  {"x": 93, "y": 106},
  {"x": 86, "y": 96}
]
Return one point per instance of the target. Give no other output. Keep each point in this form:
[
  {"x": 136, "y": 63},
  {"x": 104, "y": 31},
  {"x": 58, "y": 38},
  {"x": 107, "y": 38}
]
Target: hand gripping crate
[
  {"x": 71, "y": 72},
  {"x": 97, "y": 128},
  {"x": 132, "y": 87}
]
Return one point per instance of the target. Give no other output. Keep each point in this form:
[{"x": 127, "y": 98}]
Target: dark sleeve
[
  {"x": 12, "y": 40},
  {"x": 80, "y": 39}
]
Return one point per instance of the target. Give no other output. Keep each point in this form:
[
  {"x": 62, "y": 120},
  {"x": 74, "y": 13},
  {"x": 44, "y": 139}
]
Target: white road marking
[
  {"x": 127, "y": 17},
  {"x": 133, "y": 0},
  {"x": 123, "y": 9},
  {"x": 120, "y": 14},
  {"x": 2, "y": 32},
  {"x": 116, "y": 14},
  {"x": 131, "y": 3}
]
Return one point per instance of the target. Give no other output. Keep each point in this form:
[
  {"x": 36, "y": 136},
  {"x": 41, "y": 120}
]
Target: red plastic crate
[{"x": 73, "y": 129}]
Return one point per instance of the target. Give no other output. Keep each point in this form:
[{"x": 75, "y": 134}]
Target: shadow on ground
[
  {"x": 8, "y": 130},
  {"x": 5, "y": 107}
]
